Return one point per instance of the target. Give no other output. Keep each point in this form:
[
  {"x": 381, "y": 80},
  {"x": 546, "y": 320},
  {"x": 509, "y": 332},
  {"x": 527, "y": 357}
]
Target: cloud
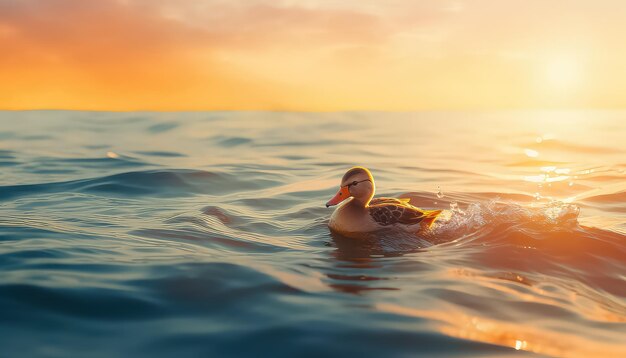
[
  {"x": 305, "y": 54},
  {"x": 93, "y": 30},
  {"x": 94, "y": 49}
]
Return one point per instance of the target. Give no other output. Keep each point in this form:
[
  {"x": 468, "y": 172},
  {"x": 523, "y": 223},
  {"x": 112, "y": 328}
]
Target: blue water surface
[{"x": 203, "y": 234}]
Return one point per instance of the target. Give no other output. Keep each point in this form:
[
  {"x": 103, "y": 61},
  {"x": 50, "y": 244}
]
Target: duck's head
[{"x": 357, "y": 183}]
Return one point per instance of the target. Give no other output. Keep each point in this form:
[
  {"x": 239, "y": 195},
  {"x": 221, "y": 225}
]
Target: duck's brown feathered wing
[{"x": 389, "y": 211}]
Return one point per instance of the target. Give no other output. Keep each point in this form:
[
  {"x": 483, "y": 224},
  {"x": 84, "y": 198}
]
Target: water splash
[
  {"x": 482, "y": 217},
  {"x": 454, "y": 207},
  {"x": 439, "y": 193}
]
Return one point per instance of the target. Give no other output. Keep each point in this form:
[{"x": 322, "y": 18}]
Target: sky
[{"x": 312, "y": 55}]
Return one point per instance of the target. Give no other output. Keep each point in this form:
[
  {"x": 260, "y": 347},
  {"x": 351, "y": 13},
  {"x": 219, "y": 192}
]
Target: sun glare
[{"x": 564, "y": 72}]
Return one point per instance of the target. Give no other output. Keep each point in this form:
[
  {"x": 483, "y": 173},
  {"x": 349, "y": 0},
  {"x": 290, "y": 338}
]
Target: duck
[{"x": 359, "y": 213}]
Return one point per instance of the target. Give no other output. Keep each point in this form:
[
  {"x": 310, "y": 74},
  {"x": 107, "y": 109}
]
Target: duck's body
[{"x": 363, "y": 214}]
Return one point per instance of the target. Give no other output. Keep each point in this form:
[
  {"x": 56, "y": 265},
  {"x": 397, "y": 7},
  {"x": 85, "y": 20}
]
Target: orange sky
[{"x": 312, "y": 54}]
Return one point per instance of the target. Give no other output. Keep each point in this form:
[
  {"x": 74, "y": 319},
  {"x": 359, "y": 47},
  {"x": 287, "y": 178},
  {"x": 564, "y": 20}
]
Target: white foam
[{"x": 480, "y": 215}]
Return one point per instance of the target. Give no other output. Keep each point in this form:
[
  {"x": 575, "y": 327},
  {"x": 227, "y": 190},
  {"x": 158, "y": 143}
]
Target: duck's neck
[{"x": 361, "y": 203}]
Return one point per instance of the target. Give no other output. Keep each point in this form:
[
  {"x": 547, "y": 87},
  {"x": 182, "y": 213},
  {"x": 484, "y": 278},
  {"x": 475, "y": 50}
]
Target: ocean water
[{"x": 204, "y": 235}]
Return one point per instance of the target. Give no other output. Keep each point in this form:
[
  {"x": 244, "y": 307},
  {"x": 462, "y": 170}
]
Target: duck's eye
[{"x": 354, "y": 183}]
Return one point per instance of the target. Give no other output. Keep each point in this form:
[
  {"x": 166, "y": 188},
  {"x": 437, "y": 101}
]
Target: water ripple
[{"x": 189, "y": 233}]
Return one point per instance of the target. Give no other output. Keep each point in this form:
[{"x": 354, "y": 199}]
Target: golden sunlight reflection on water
[
  {"x": 520, "y": 337},
  {"x": 531, "y": 153}
]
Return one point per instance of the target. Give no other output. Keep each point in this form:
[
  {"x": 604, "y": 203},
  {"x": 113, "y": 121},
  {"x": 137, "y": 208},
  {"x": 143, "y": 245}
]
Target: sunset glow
[
  {"x": 311, "y": 55},
  {"x": 564, "y": 73}
]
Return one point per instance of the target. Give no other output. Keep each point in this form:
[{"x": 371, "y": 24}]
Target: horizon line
[{"x": 424, "y": 110}]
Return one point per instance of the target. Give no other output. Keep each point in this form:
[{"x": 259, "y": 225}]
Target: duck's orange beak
[{"x": 341, "y": 195}]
